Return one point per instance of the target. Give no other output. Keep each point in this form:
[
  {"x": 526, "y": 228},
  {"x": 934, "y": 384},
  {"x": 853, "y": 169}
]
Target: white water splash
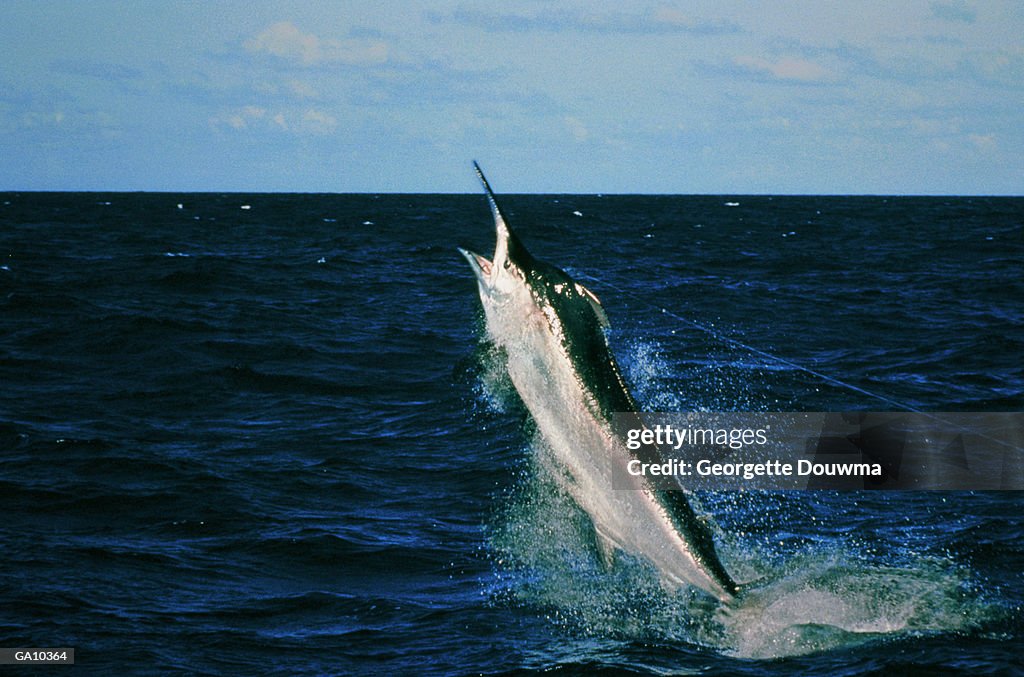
[{"x": 829, "y": 597}]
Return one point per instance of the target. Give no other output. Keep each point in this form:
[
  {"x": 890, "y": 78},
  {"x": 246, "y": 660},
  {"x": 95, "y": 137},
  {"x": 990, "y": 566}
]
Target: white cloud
[
  {"x": 255, "y": 119},
  {"x": 318, "y": 122},
  {"x": 301, "y": 89},
  {"x": 801, "y": 70},
  {"x": 42, "y": 119},
  {"x": 663, "y": 21},
  {"x": 73, "y": 121},
  {"x": 240, "y": 118},
  {"x": 285, "y": 41},
  {"x": 576, "y": 127},
  {"x": 985, "y": 142}
]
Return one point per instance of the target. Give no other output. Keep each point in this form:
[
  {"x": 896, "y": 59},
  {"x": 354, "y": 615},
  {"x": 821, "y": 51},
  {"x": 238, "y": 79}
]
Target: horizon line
[{"x": 7, "y": 191}]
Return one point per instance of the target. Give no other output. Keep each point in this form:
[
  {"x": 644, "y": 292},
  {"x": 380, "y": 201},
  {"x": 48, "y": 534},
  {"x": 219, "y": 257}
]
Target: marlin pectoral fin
[{"x": 605, "y": 547}]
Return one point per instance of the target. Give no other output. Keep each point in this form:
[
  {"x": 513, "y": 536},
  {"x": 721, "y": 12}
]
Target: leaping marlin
[{"x": 552, "y": 329}]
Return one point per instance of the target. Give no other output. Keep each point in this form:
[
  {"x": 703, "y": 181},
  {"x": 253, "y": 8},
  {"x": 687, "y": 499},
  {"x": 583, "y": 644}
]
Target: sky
[{"x": 716, "y": 97}]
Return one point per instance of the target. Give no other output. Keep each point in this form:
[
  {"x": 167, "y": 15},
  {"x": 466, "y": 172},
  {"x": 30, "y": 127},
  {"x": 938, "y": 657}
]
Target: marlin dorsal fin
[{"x": 595, "y": 303}]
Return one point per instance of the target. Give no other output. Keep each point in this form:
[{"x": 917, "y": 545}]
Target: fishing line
[{"x": 728, "y": 340}]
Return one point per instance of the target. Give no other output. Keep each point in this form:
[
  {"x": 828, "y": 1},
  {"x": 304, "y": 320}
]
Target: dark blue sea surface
[{"x": 249, "y": 434}]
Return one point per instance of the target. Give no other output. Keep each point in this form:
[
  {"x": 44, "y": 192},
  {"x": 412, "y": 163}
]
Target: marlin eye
[{"x": 508, "y": 264}]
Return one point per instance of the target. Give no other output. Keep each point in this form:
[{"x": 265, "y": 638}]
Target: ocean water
[{"x": 252, "y": 434}]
